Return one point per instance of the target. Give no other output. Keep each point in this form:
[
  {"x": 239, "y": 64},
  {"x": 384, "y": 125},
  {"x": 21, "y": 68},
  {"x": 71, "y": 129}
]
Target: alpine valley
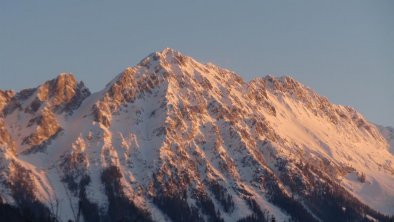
[{"x": 172, "y": 139}]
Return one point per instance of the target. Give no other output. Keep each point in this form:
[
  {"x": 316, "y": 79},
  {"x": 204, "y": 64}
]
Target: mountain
[{"x": 172, "y": 139}]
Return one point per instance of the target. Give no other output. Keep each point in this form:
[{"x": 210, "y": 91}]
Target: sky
[{"x": 344, "y": 50}]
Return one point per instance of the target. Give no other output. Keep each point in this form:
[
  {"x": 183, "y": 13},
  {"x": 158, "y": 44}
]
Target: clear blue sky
[{"x": 342, "y": 49}]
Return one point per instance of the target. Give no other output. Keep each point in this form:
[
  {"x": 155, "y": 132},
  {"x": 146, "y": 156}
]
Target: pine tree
[{"x": 273, "y": 219}]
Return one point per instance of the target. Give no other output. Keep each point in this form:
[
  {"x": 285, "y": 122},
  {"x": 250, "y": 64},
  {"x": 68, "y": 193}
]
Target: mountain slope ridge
[{"x": 171, "y": 133}]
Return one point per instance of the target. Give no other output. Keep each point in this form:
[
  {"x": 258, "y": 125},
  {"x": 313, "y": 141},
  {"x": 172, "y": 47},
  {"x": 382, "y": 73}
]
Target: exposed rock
[{"x": 172, "y": 139}]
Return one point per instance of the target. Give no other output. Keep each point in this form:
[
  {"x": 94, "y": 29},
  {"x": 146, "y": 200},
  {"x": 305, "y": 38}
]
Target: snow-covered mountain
[{"x": 172, "y": 139}]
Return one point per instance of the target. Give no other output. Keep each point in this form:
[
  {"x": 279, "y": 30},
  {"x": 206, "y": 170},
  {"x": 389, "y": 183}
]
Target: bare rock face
[
  {"x": 5, "y": 138},
  {"x": 59, "y": 90},
  {"x": 47, "y": 127},
  {"x": 172, "y": 139},
  {"x": 6, "y": 141},
  {"x": 5, "y": 98},
  {"x": 63, "y": 94}
]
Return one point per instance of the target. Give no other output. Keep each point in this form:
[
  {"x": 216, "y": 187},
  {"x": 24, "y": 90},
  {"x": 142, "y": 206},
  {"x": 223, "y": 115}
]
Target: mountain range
[{"x": 172, "y": 139}]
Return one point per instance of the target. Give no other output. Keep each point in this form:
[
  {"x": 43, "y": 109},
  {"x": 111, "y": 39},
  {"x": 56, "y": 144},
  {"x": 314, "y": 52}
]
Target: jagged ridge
[{"x": 172, "y": 139}]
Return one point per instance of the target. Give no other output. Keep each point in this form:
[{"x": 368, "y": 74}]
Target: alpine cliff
[{"x": 172, "y": 139}]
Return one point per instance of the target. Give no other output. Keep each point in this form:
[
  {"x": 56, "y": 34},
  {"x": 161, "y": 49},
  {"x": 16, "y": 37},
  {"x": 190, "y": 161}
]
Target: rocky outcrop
[
  {"x": 61, "y": 95},
  {"x": 5, "y": 98}
]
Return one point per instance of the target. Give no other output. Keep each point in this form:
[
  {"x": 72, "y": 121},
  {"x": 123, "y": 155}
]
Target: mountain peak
[
  {"x": 63, "y": 93},
  {"x": 172, "y": 137},
  {"x": 167, "y": 50},
  {"x": 62, "y": 88},
  {"x": 167, "y": 53},
  {"x": 65, "y": 76},
  {"x": 165, "y": 56}
]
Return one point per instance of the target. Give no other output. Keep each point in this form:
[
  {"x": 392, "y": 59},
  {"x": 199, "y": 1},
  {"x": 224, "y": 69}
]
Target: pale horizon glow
[{"x": 343, "y": 50}]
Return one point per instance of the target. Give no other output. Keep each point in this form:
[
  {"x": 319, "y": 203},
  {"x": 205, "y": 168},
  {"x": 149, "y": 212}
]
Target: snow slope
[{"x": 171, "y": 132}]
